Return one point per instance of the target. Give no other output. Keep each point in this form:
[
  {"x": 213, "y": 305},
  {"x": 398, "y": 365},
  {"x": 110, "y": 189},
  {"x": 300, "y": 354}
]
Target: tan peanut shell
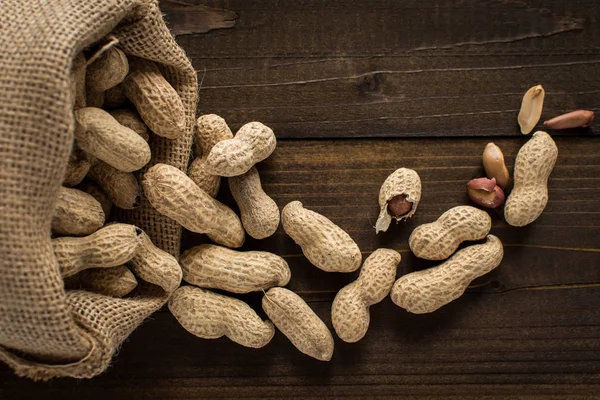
[
  {"x": 324, "y": 243},
  {"x": 100, "y": 135},
  {"x": 533, "y": 166},
  {"x": 77, "y": 168},
  {"x": 210, "y": 315},
  {"x": 425, "y": 291},
  {"x": 251, "y": 144},
  {"x": 99, "y": 195},
  {"x": 439, "y": 239},
  {"x": 350, "y": 308},
  {"x": 121, "y": 187},
  {"x": 108, "y": 70},
  {"x": 132, "y": 120},
  {"x": 259, "y": 212},
  {"x": 210, "y": 129},
  {"x": 155, "y": 99},
  {"x": 405, "y": 182},
  {"x": 115, "y": 282},
  {"x": 78, "y": 81},
  {"x": 299, "y": 323},
  {"x": 176, "y": 196},
  {"x": 155, "y": 266},
  {"x": 206, "y": 181},
  {"x": 114, "y": 97},
  {"x": 216, "y": 267},
  {"x": 76, "y": 213},
  {"x": 93, "y": 98},
  {"x": 110, "y": 246}
]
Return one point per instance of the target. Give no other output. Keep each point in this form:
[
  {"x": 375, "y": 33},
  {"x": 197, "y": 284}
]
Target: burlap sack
[{"x": 44, "y": 331}]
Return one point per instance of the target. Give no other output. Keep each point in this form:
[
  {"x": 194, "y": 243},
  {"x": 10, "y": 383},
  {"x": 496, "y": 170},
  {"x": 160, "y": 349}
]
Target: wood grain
[
  {"x": 354, "y": 90},
  {"x": 396, "y": 69}
]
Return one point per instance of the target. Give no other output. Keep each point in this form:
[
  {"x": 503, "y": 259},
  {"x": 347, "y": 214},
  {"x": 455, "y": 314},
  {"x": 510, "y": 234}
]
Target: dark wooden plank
[
  {"x": 522, "y": 343},
  {"x": 390, "y": 69},
  {"x": 341, "y": 180},
  {"x": 414, "y": 70}
]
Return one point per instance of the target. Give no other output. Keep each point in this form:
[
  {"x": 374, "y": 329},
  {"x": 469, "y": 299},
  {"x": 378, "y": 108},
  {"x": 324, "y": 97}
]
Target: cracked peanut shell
[{"x": 402, "y": 182}]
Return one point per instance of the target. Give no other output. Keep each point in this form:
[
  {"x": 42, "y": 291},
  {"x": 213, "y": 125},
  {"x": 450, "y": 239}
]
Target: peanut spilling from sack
[
  {"x": 155, "y": 99},
  {"x": 108, "y": 247},
  {"x": 439, "y": 239},
  {"x": 323, "y": 243},
  {"x": 76, "y": 213},
  {"x": 427, "y": 290},
  {"x": 253, "y": 143},
  {"x": 173, "y": 194},
  {"x": 115, "y": 282},
  {"x": 210, "y": 315},
  {"x": 260, "y": 214},
  {"x": 155, "y": 266},
  {"x": 217, "y": 267},
  {"x": 533, "y": 166},
  {"x": 350, "y": 309},
  {"x": 100, "y": 135},
  {"x": 210, "y": 130},
  {"x": 299, "y": 323}
]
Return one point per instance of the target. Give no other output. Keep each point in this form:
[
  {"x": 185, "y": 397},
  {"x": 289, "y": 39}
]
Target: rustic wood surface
[{"x": 383, "y": 84}]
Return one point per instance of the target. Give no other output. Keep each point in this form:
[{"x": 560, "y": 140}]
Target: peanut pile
[{"x": 119, "y": 102}]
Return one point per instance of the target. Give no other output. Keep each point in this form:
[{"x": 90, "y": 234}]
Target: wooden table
[{"x": 354, "y": 90}]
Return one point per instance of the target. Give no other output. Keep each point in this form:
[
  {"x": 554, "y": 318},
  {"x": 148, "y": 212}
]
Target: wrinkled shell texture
[
  {"x": 108, "y": 70},
  {"x": 93, "y": 98},
  {"x": 115, "y": 282},
  {"x": 155, "y": 266},
  {"x": 132, "y": 120},
  {"x": 77, "y": 168},
  {"x": 324, "y": 243},
  {"x": 210, "y": 130},
  {"x": 121, "y": 187},
  {"x": 439, "y": 239},
  {"x": 108, "y": 247},
  {"x": 76, "y": 213},
  {"x": 175, "y": 195},
  {"x": 402, "y": 181},
  {"x": 100, "y": 135},
  {"x": 252, "y": 143},
  {"x": 217, "y": 267},
  {"x": 114, "y": 97},
  {"x": 260, "y": 214},
  {"x": 299, "y": 323},
  {"x": 155, "y": 99},
  {"x": 350, "y": 309},
  {"x": 99, "y": 195},
  {"x": 533, "y": 166},
  {"x": 206, "y": 181},
  {"x": 425, "y": 291},
  {"x": 209, "y": 315}
]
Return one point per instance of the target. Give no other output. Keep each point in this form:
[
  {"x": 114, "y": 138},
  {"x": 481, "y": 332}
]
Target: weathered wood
[
  {"x": 424, "y": 85},
  {"x": 523, "y": 343},
  {"x": 396, "y": 69}
]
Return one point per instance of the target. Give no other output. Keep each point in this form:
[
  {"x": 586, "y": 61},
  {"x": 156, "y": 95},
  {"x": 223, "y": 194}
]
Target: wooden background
[{"x": 354, "y": 90}]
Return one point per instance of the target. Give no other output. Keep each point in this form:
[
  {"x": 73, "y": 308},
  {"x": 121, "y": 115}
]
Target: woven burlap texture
[{"x": 46, "y": 332}]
